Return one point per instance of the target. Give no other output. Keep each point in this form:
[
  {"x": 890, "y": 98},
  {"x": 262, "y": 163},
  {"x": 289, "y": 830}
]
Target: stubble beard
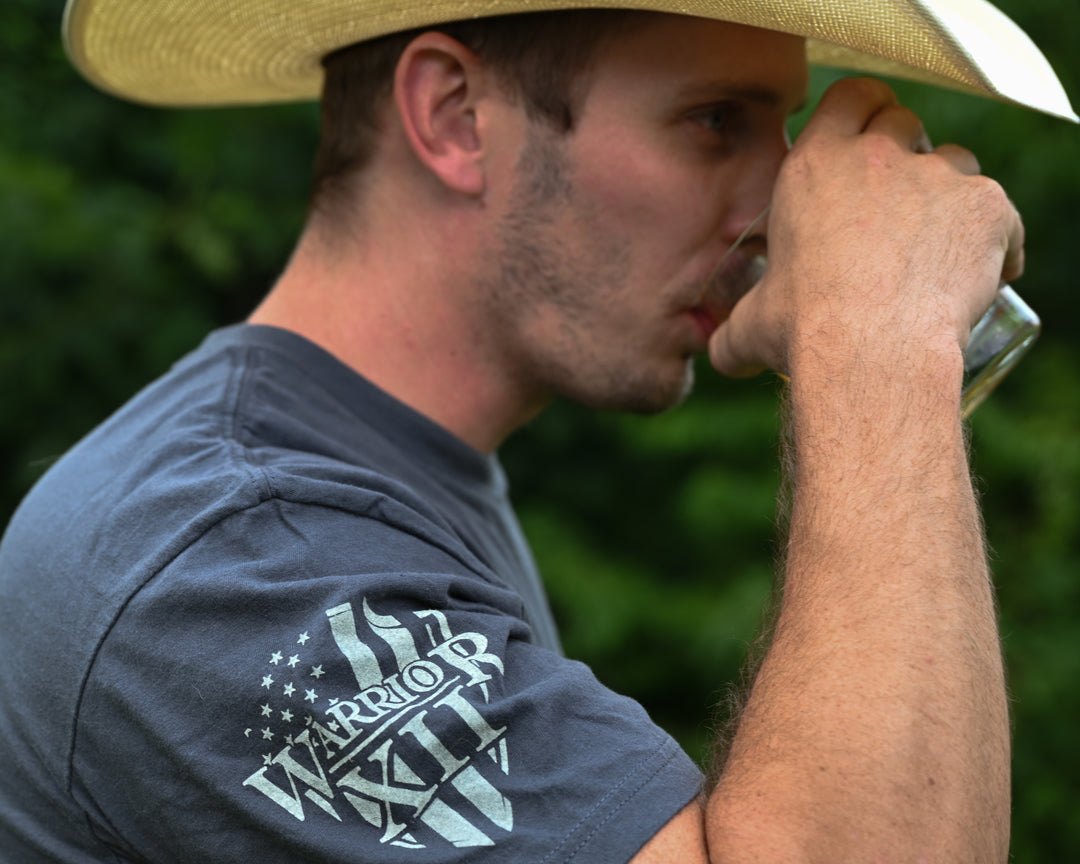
[{"x": 536, "y": 277}]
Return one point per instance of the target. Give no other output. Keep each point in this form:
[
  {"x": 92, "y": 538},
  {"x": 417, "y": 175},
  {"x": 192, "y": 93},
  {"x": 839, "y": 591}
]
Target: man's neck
[{"x": 405, "y": 319}]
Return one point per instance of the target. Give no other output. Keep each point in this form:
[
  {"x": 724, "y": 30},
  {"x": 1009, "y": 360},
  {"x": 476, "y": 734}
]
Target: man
[{"x": 292, "y": 617}]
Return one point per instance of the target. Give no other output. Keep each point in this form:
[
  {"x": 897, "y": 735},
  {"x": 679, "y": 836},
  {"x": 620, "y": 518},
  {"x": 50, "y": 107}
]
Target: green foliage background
[{"x": 127, "y": 233}]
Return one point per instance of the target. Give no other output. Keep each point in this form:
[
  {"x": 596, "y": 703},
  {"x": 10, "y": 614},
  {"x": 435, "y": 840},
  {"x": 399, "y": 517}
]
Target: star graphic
[
  {"x": 311, "y": 696},
  {"x": 267, "y": 681},
  {"x": 289, "y": 740},
  {"x": 303, "y": 638},
  {"x": 286, "y": 715},
  {"x": 275, "y": 658},
  {"x": 334, "y": 701},
  {"x": 267, "y": 734},
  {"x": 266, "y": 710},
  {"x": 294, "y": 659},
  {"x": 332, "y": 726},
  {"x": 247, "y": 733},
  {"x": 289, "y": 689},
  {"x": 267, "y": 759},
  {"x": 316, "y": 671}
]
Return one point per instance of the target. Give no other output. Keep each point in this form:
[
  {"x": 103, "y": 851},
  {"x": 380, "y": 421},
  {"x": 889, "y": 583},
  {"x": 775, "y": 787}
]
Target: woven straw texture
[{"x": 215, "y": 52}]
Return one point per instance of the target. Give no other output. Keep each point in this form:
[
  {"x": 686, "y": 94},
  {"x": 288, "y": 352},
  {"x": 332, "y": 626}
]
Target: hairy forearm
[{"x": 876, "y": 728}]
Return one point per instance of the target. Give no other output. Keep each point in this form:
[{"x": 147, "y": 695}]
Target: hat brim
[{"x": 206, "y": 52}]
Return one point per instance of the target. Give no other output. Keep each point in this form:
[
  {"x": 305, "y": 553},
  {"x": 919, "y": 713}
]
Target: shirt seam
[{"x": 662, "y": 762}]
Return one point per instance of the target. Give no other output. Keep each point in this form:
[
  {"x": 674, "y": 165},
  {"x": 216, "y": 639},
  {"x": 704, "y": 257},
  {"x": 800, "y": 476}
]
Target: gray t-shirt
[{"x": 266, "y": 612}]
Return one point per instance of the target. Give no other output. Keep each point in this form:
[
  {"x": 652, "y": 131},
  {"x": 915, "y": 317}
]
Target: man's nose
[{"x": 749, "y": 226}]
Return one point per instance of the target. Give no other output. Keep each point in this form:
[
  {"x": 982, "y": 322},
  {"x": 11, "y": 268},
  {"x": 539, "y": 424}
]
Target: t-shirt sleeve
[{"x": 280, "y": 692}]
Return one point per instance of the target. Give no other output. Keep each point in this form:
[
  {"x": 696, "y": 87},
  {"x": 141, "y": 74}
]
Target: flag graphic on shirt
[{"x": 388, "y": 729}]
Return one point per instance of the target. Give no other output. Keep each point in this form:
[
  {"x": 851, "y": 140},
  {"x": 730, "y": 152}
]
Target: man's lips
[
  {"x": 726, "y": 288},
  {"x": 706, "y": 319}
]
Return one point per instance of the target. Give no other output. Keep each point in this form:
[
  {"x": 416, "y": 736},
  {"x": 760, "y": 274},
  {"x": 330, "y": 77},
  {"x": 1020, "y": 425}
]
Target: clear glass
[{"x": 1000, "y": 338}]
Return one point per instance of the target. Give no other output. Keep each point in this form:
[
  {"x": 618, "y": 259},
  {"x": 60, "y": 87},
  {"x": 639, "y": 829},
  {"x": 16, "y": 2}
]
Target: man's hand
[{"x": 880, "y": 247}]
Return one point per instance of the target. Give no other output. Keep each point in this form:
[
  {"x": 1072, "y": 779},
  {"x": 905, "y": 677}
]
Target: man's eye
[{"x": 718, "y": 119}]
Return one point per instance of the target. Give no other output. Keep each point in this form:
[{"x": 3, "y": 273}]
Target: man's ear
[{"x": 438, "y": 84}]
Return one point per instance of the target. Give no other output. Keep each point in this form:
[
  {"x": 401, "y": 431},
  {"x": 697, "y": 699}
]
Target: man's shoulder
[{"x": 242, "y": 421}]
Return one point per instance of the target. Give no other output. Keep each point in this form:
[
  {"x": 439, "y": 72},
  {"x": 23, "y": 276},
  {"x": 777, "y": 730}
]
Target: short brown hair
[{"x": 540, "y": 58}]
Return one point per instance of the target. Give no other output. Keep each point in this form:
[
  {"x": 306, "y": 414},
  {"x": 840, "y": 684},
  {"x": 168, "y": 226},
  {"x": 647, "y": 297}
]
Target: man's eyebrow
[{"x": 721, "y": 91}]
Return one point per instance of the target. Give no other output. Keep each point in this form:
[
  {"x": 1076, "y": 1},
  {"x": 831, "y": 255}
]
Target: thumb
[{"x": 727, "y": 355}]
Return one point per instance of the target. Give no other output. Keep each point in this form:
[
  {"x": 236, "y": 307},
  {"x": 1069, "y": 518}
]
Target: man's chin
[{"x": 648, "y": 398}]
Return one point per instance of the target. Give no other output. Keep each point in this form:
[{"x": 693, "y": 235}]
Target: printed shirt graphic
[
  {"x": 373, "y": 718},
  {"x": 409, "y": 752}
]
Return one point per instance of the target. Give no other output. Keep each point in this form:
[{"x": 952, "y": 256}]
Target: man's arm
[{"x": 876, "y": 728}]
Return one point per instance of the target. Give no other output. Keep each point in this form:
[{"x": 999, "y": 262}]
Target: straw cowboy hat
[{"x": 216, "y": 52}]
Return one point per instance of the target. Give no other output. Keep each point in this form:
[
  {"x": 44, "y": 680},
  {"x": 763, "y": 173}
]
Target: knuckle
[
  {"x": 967, "y": 159},
  {"x": 860, "y": 96},
  {"x": 987, "y": 199},
  {"x": 878, "y": 148},
  {"x": 868, "y": 89},
  {"x": 988, "y": 191}
]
